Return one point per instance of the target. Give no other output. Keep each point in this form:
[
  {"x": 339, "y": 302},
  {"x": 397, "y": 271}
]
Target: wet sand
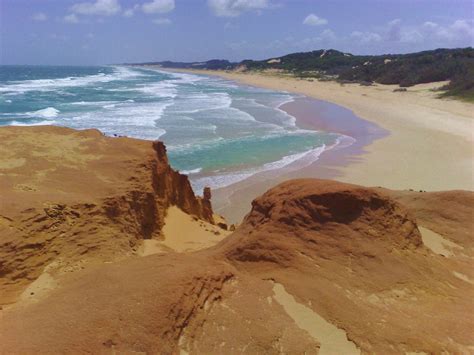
[
  {"x": 430, "y": 145},
  {"x": 234, "y": 201}
]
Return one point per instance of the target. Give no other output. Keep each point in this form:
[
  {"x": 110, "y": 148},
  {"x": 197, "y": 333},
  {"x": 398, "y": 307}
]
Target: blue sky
[{"x": 116, "y": 31}]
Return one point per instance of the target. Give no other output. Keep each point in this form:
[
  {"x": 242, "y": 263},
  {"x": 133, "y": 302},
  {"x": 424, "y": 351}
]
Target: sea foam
[{"x": 49, "y": 112}]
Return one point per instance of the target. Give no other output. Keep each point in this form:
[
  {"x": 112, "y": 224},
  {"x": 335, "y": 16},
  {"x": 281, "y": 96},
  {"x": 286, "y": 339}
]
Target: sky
[{"x": 91, "y": 32}]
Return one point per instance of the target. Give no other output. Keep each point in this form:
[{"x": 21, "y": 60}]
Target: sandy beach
[{"x": 429, "y": 145}]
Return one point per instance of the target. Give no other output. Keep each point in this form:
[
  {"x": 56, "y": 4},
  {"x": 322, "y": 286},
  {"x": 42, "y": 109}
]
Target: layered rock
[
  {"x": 316, "y": 266},
  {"x": 356, "y": 256},
  {"x": 69, "y": 197},
  {"x": 326, "y": 218}
]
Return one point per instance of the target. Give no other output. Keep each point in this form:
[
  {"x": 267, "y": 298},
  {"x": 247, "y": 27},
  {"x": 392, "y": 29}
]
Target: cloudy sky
[{"x": 116, "y": 31}]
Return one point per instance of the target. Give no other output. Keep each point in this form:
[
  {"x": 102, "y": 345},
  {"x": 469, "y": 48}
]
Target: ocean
[{"x": 215, "y": 131}]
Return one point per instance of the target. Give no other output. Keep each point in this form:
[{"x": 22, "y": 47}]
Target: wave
[
  {"x": 19, "y": 87},
  {"x": 193, "y": 171},
  {"x": 287, "y": 119},
  {"x": 133, "y": 120},
  {"x": 185, "y": 78},
  {"x": 223, "y": 180},
  {"x": 163, "y": 89},
  {"x": 291, "y": 118},
  {"x": 217, "y": 143},
  {"x": 49, "y": 112},
  {"x": 92, "y": 103},
  {"x": 199, "y": 102},
  {"x": 40, "y": 123},
  {"x": 288, "y": 163}
]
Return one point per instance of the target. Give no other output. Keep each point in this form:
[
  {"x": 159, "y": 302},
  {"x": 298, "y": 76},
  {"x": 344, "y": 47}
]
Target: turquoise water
[{"x": 216, "y": 131}]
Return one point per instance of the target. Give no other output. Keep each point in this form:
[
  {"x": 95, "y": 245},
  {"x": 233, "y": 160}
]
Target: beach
[
  {"x": 241, "y": 133},
  {"x": 428, "y": 145}
]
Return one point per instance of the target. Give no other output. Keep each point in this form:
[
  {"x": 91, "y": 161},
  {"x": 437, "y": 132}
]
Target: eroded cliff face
[
  {"x": 356, "y": 256},
  {"x": 73, "y": 197},
  {"x": 317, "y": 266},
  {"x": 176, "y": 189},
  {"x": 361, "y": 222}
]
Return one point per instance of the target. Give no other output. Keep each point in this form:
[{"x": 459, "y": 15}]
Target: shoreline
[
  {"x": 426, "y": 132},
  {"x": 234, "y": 201},
  {"x": 430, "y": 146}
]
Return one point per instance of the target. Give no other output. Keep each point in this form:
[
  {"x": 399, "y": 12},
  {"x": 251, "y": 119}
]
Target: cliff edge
[
  {"x": 72, "y": 197},
  {"x": 316, "y": 266}
]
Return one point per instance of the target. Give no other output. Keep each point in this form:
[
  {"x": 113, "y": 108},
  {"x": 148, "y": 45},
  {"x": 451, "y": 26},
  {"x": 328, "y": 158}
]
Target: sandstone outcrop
[
  {"x": 316, "y": 266},
  {"x": 357, "y": 257},
  {"x": 69, "y": 197}
]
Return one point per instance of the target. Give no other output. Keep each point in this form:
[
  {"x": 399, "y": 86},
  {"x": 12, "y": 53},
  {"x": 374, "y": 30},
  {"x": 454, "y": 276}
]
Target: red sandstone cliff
[
  {"x": 73, "y": 196},
  {"x": 349, "y": 259}
]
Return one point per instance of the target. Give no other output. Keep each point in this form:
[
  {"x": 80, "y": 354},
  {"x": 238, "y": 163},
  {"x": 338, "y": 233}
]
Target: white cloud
[
  {"x": 72, "y": 18},
  {"x": 366, "y": 37},
  {"x": 131, "y": 11},
  {"x": 394, "y": 30},
  {"x": 158, "y": 6},
  {"x": 39, "y": 16},
  {"x": 314, "y": 20},
  {"x": 463, "y": 28},
  {"x": 128, "y": 13},
  {"x": 233, "y": 8},
  {"x": 328, "y": 35},
  {"x": 99, "y": 7},
  {"x": 459, "y": 30},
  {"x": 458, "y": 33},
  {"x": 410, "y": 36},
  {"x": 162, "y": 21},
  {"x": 430, "y": 25}
]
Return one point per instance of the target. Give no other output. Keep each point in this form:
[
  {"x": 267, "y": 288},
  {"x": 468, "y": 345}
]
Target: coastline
[
  {"x": 234, "y": 201},
  {"x": 430, "y": 146}
]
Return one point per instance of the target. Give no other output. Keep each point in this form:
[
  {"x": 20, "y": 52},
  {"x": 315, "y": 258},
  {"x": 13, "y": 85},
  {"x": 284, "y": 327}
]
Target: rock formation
[
  {"x": 71, "y": 197},
  {"x": 357, "y": 257},
  {"x": 316, "y": 266}
]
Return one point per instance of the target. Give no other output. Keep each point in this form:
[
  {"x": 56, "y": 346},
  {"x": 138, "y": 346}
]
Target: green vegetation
[
  {"x": 330, "y": 62},
  {"x": 455, "y": 65},
  {"x": 461, "y": 86},
  {"x": 411, "y": 69}
]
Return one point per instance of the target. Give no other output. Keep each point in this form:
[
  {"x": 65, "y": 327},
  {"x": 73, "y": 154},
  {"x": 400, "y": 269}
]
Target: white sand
[
  {"x": 431, "y": 146},
  {"x": 333, "y": 340},
  {"x": 436, "y": 243},
  {"x": 463, "y": 277},
  {"x": 38, "y": 288},
  {"x": 183, "y": 233}
]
